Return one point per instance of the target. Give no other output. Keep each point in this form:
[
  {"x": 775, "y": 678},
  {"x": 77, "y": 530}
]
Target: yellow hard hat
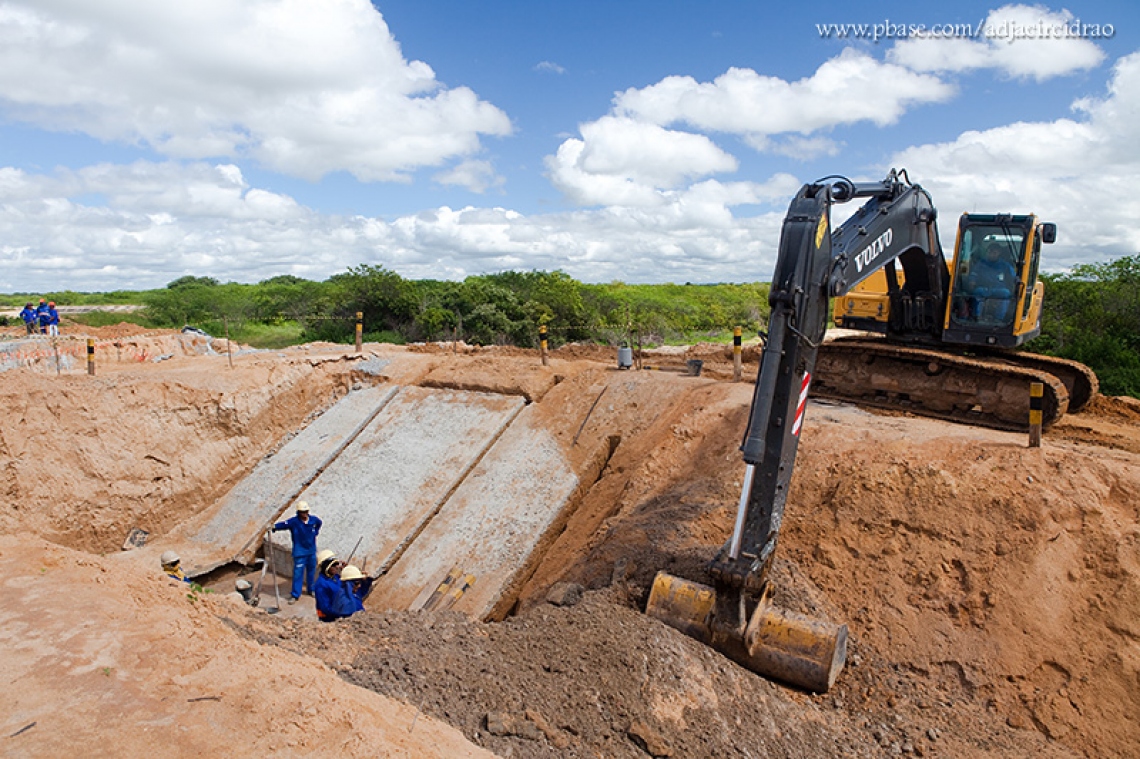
[
  {"x": 325, "y": 555},
  {"x": 351, "y": 573},
  {"x": 302, "y": 506}
]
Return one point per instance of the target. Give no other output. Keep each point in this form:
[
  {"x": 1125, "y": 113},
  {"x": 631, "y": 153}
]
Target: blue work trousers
[{"x": 304, "y": 567}]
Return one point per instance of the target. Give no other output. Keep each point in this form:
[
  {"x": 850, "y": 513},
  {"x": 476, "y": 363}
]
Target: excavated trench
[{"x": 452, "y": 482}]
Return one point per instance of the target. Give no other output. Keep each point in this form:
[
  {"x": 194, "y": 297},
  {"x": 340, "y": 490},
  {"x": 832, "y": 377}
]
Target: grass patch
[{"x": 267, "y": 336}]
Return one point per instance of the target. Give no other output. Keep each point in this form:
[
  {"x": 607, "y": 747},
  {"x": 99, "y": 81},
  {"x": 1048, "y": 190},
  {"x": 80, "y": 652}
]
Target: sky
[{"x": 643, "y": 142}]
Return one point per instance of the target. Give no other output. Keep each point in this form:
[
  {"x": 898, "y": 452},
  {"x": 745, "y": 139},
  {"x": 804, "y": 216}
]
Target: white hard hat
[
  {"x": 351, "y": 573},
  {"x": 302, "y": 506},
  {"x": 325, "y": 555},
  {"x": 169, "y": 557}
]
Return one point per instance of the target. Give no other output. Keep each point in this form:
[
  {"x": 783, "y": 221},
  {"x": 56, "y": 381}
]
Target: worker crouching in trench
[{"x": 339, "y": 590}]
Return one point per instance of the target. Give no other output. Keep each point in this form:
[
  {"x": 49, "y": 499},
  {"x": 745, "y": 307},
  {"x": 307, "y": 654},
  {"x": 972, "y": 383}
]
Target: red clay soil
[{"x": 991, "y": 590}]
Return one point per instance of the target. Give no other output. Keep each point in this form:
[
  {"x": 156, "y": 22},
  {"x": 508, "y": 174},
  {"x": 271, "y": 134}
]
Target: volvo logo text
[{"x": 874, "y": 250}]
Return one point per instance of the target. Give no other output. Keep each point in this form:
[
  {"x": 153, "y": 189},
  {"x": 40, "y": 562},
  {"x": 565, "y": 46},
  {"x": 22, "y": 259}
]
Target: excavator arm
[{"x": 813, "y": 264}]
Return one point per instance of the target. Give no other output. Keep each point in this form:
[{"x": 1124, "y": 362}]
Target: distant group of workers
[
  {"x": 338, "y": 589},
  {"x": 43, "y": 318}
]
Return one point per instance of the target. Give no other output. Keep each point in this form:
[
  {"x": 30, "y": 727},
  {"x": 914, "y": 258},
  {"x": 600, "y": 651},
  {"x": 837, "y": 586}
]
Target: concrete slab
[
  {"x": 490, "y": 528},
  {"x": 393, "y": 478},
  {"x": 239, "y": 519}
]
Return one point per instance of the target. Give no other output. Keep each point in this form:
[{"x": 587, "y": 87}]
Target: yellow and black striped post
[
  {"x": 542, "y": 343},
  {"x": 91, "y": 356},
  {"x": 736, "y": 358},
  {"x": 359, "y": 331},
  {"x": 1036, "y": 391}
]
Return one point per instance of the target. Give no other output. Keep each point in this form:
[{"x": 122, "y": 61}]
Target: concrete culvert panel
[
  {"x": 391, "y": 481},
  {"x": 235, "y": 525}
]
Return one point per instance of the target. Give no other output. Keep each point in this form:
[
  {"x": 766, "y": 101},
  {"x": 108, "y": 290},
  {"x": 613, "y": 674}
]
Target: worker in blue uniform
[
  {"x": 303, "y": 528},
  {"x": 42, "y": 316},
  {"x": 29, "y": 317},
  {"x": 353, "y": 588},
  {"x": 53, "y": 320},
  {"x": 327, "y": 585}
]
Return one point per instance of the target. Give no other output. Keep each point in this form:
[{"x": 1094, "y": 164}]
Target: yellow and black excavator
[{"x": 942, "y": 348}]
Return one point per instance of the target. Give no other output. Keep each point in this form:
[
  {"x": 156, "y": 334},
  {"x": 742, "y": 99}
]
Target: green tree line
[
  {"x": 506, "y": 308},
  {"x": 1091, "y": 314}
]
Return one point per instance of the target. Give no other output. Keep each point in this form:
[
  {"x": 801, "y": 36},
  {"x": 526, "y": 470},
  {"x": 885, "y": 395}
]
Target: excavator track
[
  {"x": 1080, "y": 381},
  {"x": 978, "y": 390}
]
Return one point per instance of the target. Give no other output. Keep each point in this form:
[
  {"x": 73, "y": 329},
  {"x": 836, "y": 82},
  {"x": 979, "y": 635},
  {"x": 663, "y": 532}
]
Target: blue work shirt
[
  {"x": 304, "y": 534},
  {"x": 347, "y": 601},
  {"x": 325, "y": 590},
  {"x": 28, "y": 315}
]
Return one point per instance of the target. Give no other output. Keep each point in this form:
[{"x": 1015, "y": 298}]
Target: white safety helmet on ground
[
  {"x": 169, "y": 558},
  {"x": 351, "y": 573}
]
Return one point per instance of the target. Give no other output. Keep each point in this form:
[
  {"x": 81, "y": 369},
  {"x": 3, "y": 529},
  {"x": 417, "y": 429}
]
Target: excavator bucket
[{"x": 778, "y": 644}]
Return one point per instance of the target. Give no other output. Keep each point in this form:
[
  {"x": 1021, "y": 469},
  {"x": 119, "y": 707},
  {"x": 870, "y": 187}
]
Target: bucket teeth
[{"x": 778, "y": 644}]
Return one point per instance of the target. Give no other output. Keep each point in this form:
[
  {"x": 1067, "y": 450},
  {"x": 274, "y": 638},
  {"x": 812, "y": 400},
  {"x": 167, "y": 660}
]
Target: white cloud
[
  {"x": 476, "y": 176},
  {"x": 550, "y": 66},
  {"x": 620, "y": 161},
  {"x": 1021, "y": 40},
  {"x": 795, "y": 146},
  {"x": 846, "y": 89},
  {"x": 141, "y": 226},
  {"x": 630, "y": 158},
  {"x": 1077, "y": 172},
  {"x": 305, "y": 88}
]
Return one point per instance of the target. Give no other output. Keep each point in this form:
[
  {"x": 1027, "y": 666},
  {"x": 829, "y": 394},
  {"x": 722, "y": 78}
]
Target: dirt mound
[
  {"x": 86, "y": 459},
  {"x": 1114, "y": 407},
  {"x": 594, "y": 679},
  {"x": 109, "y": 660}
]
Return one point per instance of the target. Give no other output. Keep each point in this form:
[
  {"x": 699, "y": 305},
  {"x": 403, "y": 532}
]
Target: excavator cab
[{"x": 995, "y": 297}]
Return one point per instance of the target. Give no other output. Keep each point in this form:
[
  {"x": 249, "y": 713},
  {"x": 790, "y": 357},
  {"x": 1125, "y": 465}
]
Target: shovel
[{"x": 273, "y": 569}]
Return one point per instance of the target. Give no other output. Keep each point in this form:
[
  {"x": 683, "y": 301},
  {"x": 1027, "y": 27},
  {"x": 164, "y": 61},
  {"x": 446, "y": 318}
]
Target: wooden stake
[
  {"x": 736, "y": 357},
  {"x": 1036, "y": 391}
]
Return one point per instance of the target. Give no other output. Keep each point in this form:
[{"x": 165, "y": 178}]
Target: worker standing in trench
[{"x": 303, "y": 528}]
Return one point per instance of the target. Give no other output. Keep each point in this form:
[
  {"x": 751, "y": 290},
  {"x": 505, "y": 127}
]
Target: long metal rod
[
  {"x": 741, "y": 513},
  {"x": 273, "y": 570}
]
